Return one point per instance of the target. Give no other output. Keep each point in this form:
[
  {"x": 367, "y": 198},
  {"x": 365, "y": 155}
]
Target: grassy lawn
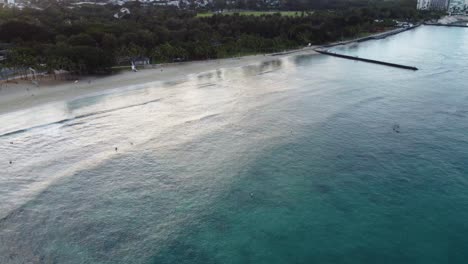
[{"x": 253, "y": 13}]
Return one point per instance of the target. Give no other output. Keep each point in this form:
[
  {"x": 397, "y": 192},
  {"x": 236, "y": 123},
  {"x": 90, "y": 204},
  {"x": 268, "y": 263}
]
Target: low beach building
[{"x": 139, "y": 61}]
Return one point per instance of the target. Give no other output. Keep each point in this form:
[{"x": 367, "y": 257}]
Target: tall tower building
[
  {"x": 457, "y": 6},
  {"x": 423, "y": 4},
  {"x": 434, "y": 4},
  {"x": 439, "y": 4}
]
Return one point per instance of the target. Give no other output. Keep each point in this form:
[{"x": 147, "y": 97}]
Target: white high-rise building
[
  {"x": 439, "y": 4},
  {"x": 433, "y": 4},
  {"x": 457, "y": 6},
  {"x": 423, "y": 4}
]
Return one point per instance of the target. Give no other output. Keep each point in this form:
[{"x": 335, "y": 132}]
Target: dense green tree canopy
[{"x": 90, "y": 39}]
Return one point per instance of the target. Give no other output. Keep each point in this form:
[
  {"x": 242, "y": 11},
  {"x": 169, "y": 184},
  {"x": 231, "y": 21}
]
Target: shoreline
[
  {"x": 445, "y": 25},
  {"x": 377, "y": 36},
  {"x": 23, "y": 94}
]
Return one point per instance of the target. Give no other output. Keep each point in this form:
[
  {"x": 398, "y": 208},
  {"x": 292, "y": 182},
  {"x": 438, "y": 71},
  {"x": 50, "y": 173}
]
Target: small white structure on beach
[{"x": 141, "y": 61}]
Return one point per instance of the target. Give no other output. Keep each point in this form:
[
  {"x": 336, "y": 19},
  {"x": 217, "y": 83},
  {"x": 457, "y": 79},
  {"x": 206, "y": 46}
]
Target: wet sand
[{"x": 24, "y": 94}]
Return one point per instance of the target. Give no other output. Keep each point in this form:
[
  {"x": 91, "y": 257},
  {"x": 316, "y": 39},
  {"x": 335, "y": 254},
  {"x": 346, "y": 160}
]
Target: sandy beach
[{"x": 24, "y": 94}]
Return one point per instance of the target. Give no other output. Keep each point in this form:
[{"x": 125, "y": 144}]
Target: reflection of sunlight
[
  {"x": 84, "y": 102},
  {"x": 132, "y": 117},
  {"x": 201, "y": 90},
  {"x": 33, "y": 117}
]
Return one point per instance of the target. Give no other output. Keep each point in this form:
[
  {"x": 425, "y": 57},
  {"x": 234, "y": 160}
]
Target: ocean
[{"x": 303, "y": 159}]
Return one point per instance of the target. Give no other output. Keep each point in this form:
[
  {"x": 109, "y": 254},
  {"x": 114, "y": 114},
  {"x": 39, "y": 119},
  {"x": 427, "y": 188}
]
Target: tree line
[{"x": 89, "y": 39}]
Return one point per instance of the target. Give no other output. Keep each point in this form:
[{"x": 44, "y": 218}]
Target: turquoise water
[{"x": 305, "y": 159}]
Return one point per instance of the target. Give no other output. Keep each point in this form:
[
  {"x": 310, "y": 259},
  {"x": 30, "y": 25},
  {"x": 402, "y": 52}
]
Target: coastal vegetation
[{"x": 90, "y": 39}]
